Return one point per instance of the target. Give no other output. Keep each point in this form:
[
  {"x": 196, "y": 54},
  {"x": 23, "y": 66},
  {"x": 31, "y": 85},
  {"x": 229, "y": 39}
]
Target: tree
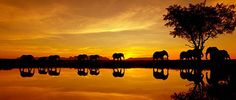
[{"x": 198, "y": 22}]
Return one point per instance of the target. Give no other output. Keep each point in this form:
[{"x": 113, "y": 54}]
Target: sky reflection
[{"x": 137, "y": 83}]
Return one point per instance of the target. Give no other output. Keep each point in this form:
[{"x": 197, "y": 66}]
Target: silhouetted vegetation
[
  {"x": 220, "y": 83},
  {"x": 199, "y": 22}
]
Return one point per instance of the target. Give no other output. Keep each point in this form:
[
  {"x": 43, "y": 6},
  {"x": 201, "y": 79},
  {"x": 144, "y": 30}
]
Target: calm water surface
[{"x": 137, "y": 83}]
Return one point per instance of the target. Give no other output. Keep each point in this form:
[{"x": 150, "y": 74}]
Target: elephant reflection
[
  {"x": 82, "y": 57},
  {"x": 82, "y": 71},
  {"x": 160, "y": 55},
  {"x": 185, "y": 73},
  {"x": 194, "y": 75},
  {"x": 159, "y": 73},
  {"x": 26, "y": 72},
  {"x": 94, "y": 57},
  {"x": 216, "y": 54},
  {"x": 53, "y": 71},
  {"x": 94, "y": 71},
  {"x": 118, "y": 56},
  {"x": 118, "y": 72},
  {"x": 42, "y": 70},
  {"x": 218, "y": 75}
]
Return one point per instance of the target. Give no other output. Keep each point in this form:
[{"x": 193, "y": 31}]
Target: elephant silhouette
[
  {"x": 160, "y": 55},
  {"x": 194, "y": 54},
  {"x": 42, "y": 59},
  {"x": 53, "y": 71},
  {"x": 118, "y": 72},
  {"x": 26, "y": 60},
  {"x": 42, "y": 70},
  {"x": 216, "y": 54},
  {"x": 185, "y": 55},
  {"x": 94, "y": 57},
  {"x": 118, "y": 56},
  {"x": 94, "y": 71},
  {"x": 82, "y": 71},
  {"x": 26, "y": 72},
  {"x": 224, "y": 54},
  {"x": 53, "y": 60},
  {"x": 160, "y": 74},
  {"x": 82, "y": 57}
]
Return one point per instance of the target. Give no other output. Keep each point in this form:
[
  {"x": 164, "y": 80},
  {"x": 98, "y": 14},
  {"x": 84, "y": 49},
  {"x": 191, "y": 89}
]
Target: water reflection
[
  {"x": 54, "y": 71},
  {"x": 42, "y": 70},
  {"x": 118, "y": 72},
  {"x": 26, "y": 72},
  {"x": 82, "y": 71},
  {"x": 160, "y": 72},
  {"x": 220, "y": 83},
  {"x": 189, "y": 82}
]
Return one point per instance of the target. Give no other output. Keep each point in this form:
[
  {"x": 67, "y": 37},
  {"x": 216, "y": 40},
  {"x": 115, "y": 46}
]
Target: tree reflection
[{"x": 220, "y": 83}]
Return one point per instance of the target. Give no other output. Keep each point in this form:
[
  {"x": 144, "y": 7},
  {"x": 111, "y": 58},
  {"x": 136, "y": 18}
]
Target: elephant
[
  {"x": 160, "y": 74},
  {"x": 195, "y": 54},
  {"x": 94, "y": 57},
  {"x": 53, "y": 71},
  {"x": 118, "y": 56},
  {"x": 160, "y": 55},
  {"x": 26, "y": 59},
  {"x": 53, "y": 60},
  {"x": 42, "y": 70},
  {"x": 185, "y": 55},
  {"x": 216, "y": 54},
  {"x": 82, "y": 71},
  {"x": 82, "y": 57},
  {"x": 94, "y": 71},
  {"x": 43, "y": 61},
  {"x": 224, "y": 54},
  {"x": 118, "y": 72},
  {"x": 26, "y": 72}
]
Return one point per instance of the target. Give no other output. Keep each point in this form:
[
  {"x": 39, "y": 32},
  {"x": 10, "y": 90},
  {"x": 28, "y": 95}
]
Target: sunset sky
[{"x": 72, "y": 27}]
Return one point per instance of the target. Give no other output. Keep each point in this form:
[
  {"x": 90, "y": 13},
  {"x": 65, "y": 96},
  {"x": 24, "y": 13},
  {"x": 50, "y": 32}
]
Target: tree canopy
[{"x": 198, "y": 22}]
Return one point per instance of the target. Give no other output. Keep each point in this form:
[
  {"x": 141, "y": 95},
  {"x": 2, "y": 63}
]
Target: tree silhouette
[{"x": 198, "y": 22}]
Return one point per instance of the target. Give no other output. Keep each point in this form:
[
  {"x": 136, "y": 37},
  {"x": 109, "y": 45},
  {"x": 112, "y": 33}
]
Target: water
[{"x": 137, "y": 83}]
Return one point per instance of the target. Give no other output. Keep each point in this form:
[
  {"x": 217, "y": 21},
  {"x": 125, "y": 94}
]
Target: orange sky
[{"x": 68, "y": 28}]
